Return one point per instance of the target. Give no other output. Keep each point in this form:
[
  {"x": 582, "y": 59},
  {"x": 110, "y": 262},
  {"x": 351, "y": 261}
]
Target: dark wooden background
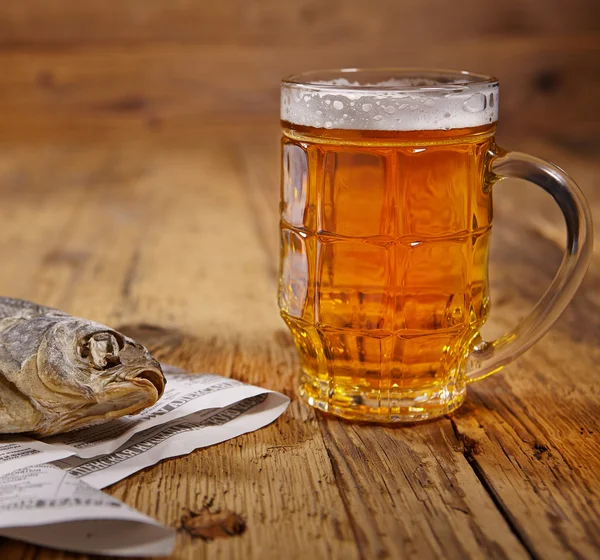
[{"x": 97, "y": 65}]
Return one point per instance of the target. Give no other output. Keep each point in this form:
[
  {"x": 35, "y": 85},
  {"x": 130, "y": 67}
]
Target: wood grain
[
  {"x": 410, "y": 493},
  {"x": 139, "y": 187},
  {"x": 549, "y": 84},
  {"x": 272, "y": 22},
  {"x": 173, "y": 238},
  {"x": 101, "y": 247}
]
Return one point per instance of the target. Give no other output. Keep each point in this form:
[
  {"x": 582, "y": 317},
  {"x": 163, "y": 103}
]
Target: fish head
[{"x": 102, "y": 373}]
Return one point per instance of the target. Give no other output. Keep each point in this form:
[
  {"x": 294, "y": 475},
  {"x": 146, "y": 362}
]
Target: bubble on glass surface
[
  {"x": 328, "y": 124},
  {"x": 338, "y": 105},
  {"x": 367, "y": 107},
  {"x": 390, "y": 109}
]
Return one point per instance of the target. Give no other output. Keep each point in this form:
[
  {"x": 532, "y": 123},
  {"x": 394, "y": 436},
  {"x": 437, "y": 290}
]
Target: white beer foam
[{"x": 352, "y": 106}]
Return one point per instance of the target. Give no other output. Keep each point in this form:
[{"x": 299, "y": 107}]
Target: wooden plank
[
  {"x": 276, "y": 23},
  {"x": 152, "y": 88},
  {"x": 201, "y": 249},
  {"x": 410, "y": 493},
  {"x": 529, "y": 433},
  {"x": 101, "y": 266},
  {"x": 179, "y": 233},
  {"x": 522, "y": 437}
]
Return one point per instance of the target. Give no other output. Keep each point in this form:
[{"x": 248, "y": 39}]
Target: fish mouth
[
  {"x": 120, "y": 401},
  {"x": 131, "y": 394},
  {"x": 151, "y": 377}
]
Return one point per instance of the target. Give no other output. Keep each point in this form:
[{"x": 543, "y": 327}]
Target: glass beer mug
[{"x": 386, "y": 213}]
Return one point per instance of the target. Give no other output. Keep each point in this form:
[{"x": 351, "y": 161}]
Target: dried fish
[{"x": 59, "y": 372}]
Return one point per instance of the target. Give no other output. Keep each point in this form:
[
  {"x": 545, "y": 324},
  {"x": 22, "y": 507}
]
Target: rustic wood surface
[
  {"x": 174, "y": 239},
  {"x": 139, "y": 187}
]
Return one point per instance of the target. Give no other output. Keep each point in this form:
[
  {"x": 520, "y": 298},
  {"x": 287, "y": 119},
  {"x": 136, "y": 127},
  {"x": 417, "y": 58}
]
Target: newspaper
[
  {"x": 18, "y": 451},
  {"x": 46, "y": 506},
  {"x": 49, "y": 488},
  {"x": 186, "y": 394},
  {"x": 176, "y": 438}
]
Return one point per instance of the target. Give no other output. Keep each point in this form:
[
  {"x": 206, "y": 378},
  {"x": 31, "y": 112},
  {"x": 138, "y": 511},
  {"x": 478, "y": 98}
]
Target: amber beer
[
  {"x": 384, "y": 249},
  {"x": 386, "y": 215}
]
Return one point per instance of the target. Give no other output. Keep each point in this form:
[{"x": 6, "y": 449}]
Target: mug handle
[{"x": 486, "y": 358}]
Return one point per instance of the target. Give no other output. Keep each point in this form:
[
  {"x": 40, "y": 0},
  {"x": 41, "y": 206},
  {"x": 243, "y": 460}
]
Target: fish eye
[{"x": 102, "y": 349}]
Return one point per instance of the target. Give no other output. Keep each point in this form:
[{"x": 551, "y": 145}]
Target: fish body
[{"x": 59, "y": 372}]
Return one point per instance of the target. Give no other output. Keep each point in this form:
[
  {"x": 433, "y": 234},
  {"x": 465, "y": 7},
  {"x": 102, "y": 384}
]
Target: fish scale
[{"x": 59, "y": 373}]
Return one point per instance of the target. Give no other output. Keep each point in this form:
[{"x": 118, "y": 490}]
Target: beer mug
[{"x": 386, "y": 214}]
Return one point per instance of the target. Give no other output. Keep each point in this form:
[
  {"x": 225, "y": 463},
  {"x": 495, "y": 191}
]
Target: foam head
[{"x": 388, "y": 99}]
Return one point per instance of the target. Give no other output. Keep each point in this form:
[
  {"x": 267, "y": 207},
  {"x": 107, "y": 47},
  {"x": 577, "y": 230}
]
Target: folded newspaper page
[
  {"x": 47, "y": 506},
  {"x": 177, "y": 437},
  {"x": 49, "y": 489},
  {"x": 186, "y": 393}
]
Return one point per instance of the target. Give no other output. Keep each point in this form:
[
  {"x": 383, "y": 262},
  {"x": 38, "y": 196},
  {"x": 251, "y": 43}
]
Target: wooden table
[{"x": 173, "y": 237}]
